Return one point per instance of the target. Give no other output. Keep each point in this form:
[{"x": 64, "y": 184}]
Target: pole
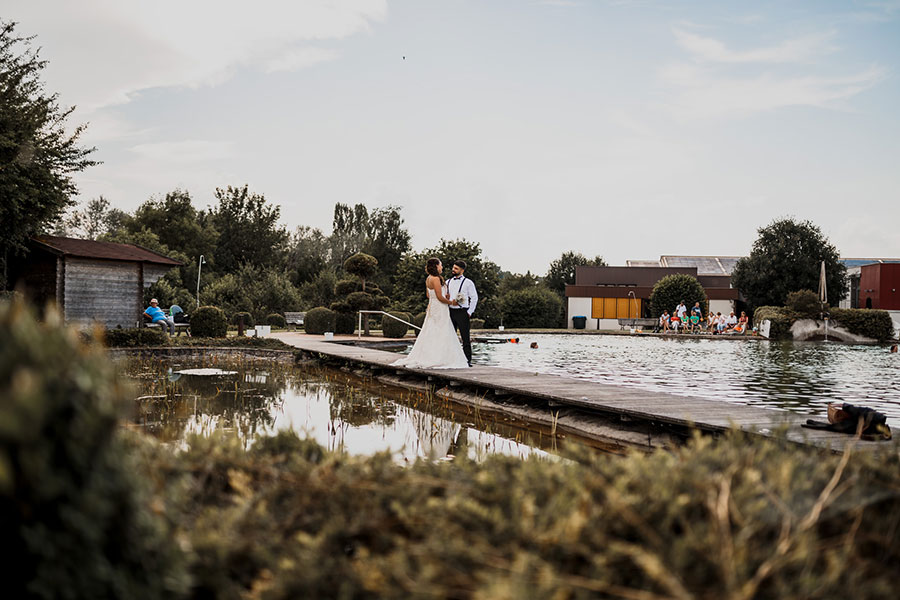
[{"x": 199, "y": 269}]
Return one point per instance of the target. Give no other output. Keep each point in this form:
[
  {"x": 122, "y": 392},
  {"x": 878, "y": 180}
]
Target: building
[
  {"x": 854, "y": 298},
  {"x": 606, "y": 294},
  {"x": 89, "y": 281}
]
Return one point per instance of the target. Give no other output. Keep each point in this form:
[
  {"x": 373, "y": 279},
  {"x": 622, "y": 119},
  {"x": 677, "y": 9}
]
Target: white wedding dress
[{"x": 437, "y": 346}]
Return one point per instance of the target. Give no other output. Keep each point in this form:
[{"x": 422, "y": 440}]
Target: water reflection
[{"x": 339, "y": 411}]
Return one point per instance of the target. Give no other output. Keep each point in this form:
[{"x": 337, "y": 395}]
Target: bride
[{"x": 437, "y": 346}]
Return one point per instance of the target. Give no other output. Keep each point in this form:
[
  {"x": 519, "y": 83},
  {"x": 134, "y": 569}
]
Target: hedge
[
  {"x": 209, "y": 321},
  {"x": 781, "y": 320},
  {"x": 319, "y": 320},
  {"x": 276, "y": 320},
  {"x": 805, "y": 304},
  {"x": 393, "y": 328},
  {"x": 477, "y": 323},
  {"x": 535, "y": 307},
  {"x": 130, "y": 338},
  {"x": 345, "y": 323},
  {"x": 872, "y": 323}
]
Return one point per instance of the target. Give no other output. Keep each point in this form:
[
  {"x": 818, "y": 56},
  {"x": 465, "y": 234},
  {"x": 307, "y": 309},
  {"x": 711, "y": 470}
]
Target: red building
[{"x": 879, "y": 286}]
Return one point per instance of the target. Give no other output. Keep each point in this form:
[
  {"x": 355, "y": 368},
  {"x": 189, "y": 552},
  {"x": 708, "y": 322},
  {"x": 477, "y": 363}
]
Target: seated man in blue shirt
[{"x": 156, "y": 315}]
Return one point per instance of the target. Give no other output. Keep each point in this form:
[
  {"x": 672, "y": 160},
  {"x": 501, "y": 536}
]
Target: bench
[
  {"x": 294, "y": 318},
  {"x": 179, "y": 327},
  {"x": 638, "y": 323}
]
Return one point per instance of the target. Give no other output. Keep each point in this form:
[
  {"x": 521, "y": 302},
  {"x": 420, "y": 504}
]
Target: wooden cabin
[{"x": 89, "y": 281}]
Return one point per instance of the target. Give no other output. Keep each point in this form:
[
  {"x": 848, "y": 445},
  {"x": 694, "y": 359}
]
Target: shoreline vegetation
[{"x": 729, "y": 517}]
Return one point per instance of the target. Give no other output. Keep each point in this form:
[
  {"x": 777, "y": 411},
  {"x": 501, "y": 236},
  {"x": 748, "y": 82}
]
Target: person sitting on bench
[{"x": 157, "y": 315}]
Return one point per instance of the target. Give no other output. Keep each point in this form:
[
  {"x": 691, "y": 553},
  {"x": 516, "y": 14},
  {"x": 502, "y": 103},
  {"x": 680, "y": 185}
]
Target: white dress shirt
[{"x": 463, "y": 285}]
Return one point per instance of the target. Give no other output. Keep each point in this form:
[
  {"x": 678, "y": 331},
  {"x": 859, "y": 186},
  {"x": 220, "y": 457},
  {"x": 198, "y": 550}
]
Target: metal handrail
[{"x": 381, "y": 312}]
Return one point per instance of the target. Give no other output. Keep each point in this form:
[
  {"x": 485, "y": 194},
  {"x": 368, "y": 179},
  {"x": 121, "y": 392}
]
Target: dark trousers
[{"x": 460, "y": 319}]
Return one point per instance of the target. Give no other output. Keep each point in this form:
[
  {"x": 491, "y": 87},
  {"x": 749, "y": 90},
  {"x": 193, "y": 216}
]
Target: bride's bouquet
[{"x": 460, "y": 298}]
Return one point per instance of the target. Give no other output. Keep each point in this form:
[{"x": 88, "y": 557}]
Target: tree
[
  {"x": 787, "y": 257},
  {"x": 363, "y": 266},
  {"x": 38, "y": 154},
  {"x": 248, "y": 230},
  {"x": 515, "y": 282},
  {"x": 409, "y": 282},
  {"x": 672, "y": 289},
  {"x": 307, "y": 255},
  {"x": 562, "y": 270},
  {"x": 178, "y": 224}
]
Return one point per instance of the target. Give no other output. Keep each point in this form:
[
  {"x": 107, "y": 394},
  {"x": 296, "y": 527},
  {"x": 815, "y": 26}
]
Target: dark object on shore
[
  {"x": 849, "y": 418},
  {"x": 534, "y": 345},
  {"x": 894, "y": 348}
]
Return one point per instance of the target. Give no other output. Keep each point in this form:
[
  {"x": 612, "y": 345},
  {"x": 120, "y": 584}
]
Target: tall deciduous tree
[
  {"x": 177, "y": 223},
  {"x": 248, "y": 228},
  {"x": 787, "y": 257},
  {"x": 38, "y": 155},
  {"x": 562, "y": 270}
]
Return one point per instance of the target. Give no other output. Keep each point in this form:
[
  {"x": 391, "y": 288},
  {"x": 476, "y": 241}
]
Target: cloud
[
  {"x": 104, "y": 52},
  {"x": 704, "y": 93},
  {"x": 707, "y": 49},
  {"x": 299, "y": 58},
  {"x": 185, "y": 151}
]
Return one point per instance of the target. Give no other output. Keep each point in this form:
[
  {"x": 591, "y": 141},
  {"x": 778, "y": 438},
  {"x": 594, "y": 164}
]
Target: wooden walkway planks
[{"x": 643, "y": 405}]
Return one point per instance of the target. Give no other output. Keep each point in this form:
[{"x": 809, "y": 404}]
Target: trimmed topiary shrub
[
  {"x": 276, "y": 320},
  {"x": 345, "y": 287},
  {"x": 345, "y": 323},
  {"x": 672, "y": 289},
  {"x": 477, "y": 323},
  {"x": 209, "y": 321},
  {"x": 780, "y": 317},
  {"x": 319, "y": 320},
  {"x": 76, "y": 518},
  {"x": 248, "y": 319},
  {"x": 533, "y": 307},
  {"x": 395, "y": 329},
  {"x": 130, "y": 338},
  {"x": 805, "y": 304},
  {"x": 872, "y": 323}
]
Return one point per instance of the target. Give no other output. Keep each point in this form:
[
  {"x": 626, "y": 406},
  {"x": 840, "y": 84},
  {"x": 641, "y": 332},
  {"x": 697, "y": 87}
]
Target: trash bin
[{"x": 579, "y": 322}]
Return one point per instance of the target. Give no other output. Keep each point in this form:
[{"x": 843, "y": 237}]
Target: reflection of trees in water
[{"x": 170, "y": 405}]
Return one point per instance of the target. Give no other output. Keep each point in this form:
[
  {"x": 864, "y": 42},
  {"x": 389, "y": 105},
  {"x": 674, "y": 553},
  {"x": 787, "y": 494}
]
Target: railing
[{"x": 381, "y": 312}]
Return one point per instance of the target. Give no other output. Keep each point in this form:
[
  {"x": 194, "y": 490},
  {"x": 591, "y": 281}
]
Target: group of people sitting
[{"x": 693, "y": 322}]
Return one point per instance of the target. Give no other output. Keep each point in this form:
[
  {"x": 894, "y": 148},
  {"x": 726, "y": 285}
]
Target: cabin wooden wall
[{"x": 102, "y": 290}]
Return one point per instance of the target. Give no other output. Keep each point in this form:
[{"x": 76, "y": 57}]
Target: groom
[{"x": 463, "y": 299}]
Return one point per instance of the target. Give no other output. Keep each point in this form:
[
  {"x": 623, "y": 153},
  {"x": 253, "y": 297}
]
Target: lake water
[
  {"x": 798, "y": 376},
  {"x": 340, "y": 411}
]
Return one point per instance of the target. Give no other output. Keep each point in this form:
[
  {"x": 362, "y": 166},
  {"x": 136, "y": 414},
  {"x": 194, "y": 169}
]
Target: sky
[{"x": 626, "y": 129}]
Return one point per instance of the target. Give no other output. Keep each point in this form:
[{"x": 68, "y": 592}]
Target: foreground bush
[
  {"x": 75, "y": 516},
  {"x": 318, "y": 320},
  {"x": 729, "y": 519},
  {"x": 395, "y": 329},
  {"x": 131, "y": 338},
  {"x": 209, "y": 321},
  {"x": 345, "y": 323}
]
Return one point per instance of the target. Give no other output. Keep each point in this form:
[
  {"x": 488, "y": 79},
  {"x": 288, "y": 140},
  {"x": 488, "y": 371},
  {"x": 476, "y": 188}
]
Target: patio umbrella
[{"x": 823, "y": 288}]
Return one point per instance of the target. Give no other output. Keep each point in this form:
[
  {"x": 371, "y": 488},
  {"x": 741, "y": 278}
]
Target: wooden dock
[{"x": 604, "y": 399}]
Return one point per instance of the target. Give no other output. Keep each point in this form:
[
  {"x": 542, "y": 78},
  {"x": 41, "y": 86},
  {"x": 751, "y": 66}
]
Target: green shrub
[
  {"x": 248, "y": 319},
  {"x": 341, "y": 307},
  {"x": 418, "y": 320},
  {"x": 534, "y": 307},
  {"x": 130, "y": 338},
  {"x": 477, "y": 323},
  {"x": 781, "y": 320},
  {"x": 276, "y": 320},
  {"x": 345, "y": 287},
  {"x": 805, "y": 304},
  {"x": 345, "y": 323},
  {"x": 252, "y": 289},
  {"x": 872, "y": 323},
  {"x": 395, "y": 329},
  {"x": 672, "y": 289},
  {"x": 76, "y": 514},
  {"x": 319, "y": 320},
  {"x": 716, "y": 519},
  {"x": 209, "y": 321}
]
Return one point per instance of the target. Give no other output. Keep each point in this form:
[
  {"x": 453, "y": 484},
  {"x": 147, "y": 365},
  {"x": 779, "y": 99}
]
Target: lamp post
[{"x": 199, "y": 269}]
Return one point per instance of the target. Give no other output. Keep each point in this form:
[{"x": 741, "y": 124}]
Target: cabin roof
[{"x": 105, "y": 250}]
